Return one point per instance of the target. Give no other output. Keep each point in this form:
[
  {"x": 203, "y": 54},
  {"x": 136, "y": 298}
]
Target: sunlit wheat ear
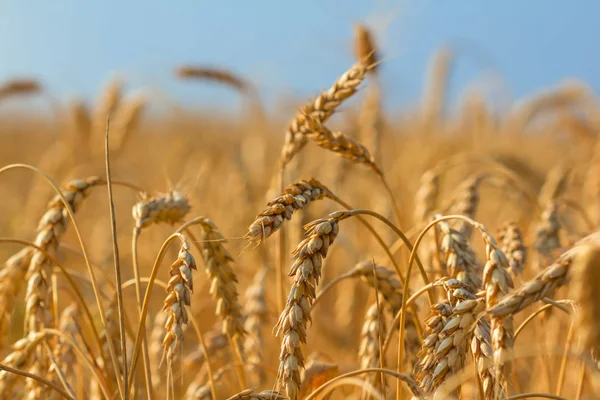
[
  {"x": 256, "y": 312},
  {"x": 111, "y": 329},
  {"x": 459, "y": 260},
  {"x": 426, "y": 196},
  {"x": 249, "y": 394},
  {"x": 390, "y": 289},
  {"x": 545, "y": 283},
  {"x": 223, "y": 287},
  {"x": 11, "y": 278},
  {"x": 179, "y": 291},
  {"x": 293, "y": 321},
  {"x": 342, "y": 145},
  {"x": 64, "y": 352},
  {"x": 547, "y": 235},
  {"x": 513, "y": 247},
  {"x": 585, "y": 290},
  {"x": 374, "y": 327},
  {"x": 448, "y": 333},
  {"x": 126, "y": 119},
  {"x": 169, "y": 208},
  {"x": 155, "y": 348},
  {"x": 19, "y": 87},
  {"x": 320, "y": 109},
  {"x": 105, "y": 106},
  {"x": 466, "y": 202},
  {"x": 497, "y": 282},
  {"x": 591, "y": 186},
  {"x": 219, "y": 75},
  {"x": 555, "y": 184},
  {"x": 20, "y": 358},
  {"x": 51, "y": 227},
  {"x": 295, "y": 197}
]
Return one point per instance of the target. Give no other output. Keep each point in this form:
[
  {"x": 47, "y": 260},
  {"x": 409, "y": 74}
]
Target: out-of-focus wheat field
[{"x": 535, "y": 164}]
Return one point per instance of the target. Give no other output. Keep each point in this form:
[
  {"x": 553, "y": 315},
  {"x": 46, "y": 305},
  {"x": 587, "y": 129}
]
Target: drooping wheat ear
[
  {"x": 365, "y": 50},
  {"x": 179, "y": 292},
  {"x": 320, "y": 109},
  {"x": 306, "y": 272},
  {"x": 256, "y": 312},
  {"x": 390, "y": 289},
  {"x": 63, "y": 352},
  {"x": 342, "y": 145},
  {"x": 249, "y": 394},
  {"x": 427, "y": 196},
  {"x": 514, "y": 248},
  {"x": 547, "y": 236},
  {"x": 458, "y": 258},
  {"x": 16, "y": 87},
  {"x": 555, "y": 184},
  {"x": 223, "y": 280},
  {"x": 51, "y": 227},
  {"x": 126, "y": 119},
  {"x": 585, "y": 290},
  {"x": 448, "y": 333},
  {"x": 20, "y": 358},
  {"x": 497, "y": 282},
  {"x": 169, "y": 207},
  {"x": 295, "y": 197},
  {"x": 545, "y": 283},
  {"x": 373, "y": 328},
  {"x": 466, "y": 201},
  {"x": 105, "y": 106},
  {"x": 213, "y": 74},
  {"x": 11, "y": 279}
]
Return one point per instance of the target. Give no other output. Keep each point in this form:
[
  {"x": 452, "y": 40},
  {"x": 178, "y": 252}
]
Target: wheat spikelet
[
  {"x": 320, "y": 109},
  {"x": 585, "y": 290},
  {"x": 106, "y": 105},
  {"x": 448, "y": 332},
  {"x": 11, "y": 278},
  {"x": 306, "y": 272},
  {"x": 51, "y": 227},
  {"x": 295, "y": 197},
  {"x": 373, "y": 328},
  {"x": 213, "y": 74},
  {"x": 256, "y": 313},
  {"x": 63, "y": 352},
  {"x": 458, "y": 257},
  {"x": 466, "y": 202},
  {"x": 426, "y": 196},
  {"x": 199, "y": 391},
  {"x": 555, "y": 184},
  {"x": 110, "y": 330},
  {"x": 344, "y": 146},
  {"x": 544, "y": 284},
  {"x": 497, "y": 282},
  {"x": 169, "y": 207},
  {"x": 591, "y": 185},
  {"x": 434, "y": 94},
  {"x": 155, "y": 348},
  {"x": 249, "y": 394},
  {"x": 223, "y": 280},
  {"x": 513, "y": 247},
  {"x": 179, "y": 291},
  {"x": 370, "y": 120},
  {"x": 483, "y": 355},
  {"x": 547, "y": 235},
  {"x": 20, "y": 357}
]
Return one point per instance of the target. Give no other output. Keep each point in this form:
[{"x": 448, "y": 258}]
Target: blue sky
[{"x": 295, "y": 47}]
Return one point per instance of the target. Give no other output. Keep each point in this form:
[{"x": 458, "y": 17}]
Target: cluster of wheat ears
[{"x": 437, "y": 305}]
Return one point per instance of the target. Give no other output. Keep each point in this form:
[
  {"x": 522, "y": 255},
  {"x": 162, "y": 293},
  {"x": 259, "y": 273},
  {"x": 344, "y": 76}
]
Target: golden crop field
[{"x": 335, "y": 250}]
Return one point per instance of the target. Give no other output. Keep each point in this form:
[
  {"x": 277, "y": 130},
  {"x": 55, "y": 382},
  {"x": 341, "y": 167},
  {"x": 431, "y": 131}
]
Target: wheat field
[{"x": 335, "y": 250}]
